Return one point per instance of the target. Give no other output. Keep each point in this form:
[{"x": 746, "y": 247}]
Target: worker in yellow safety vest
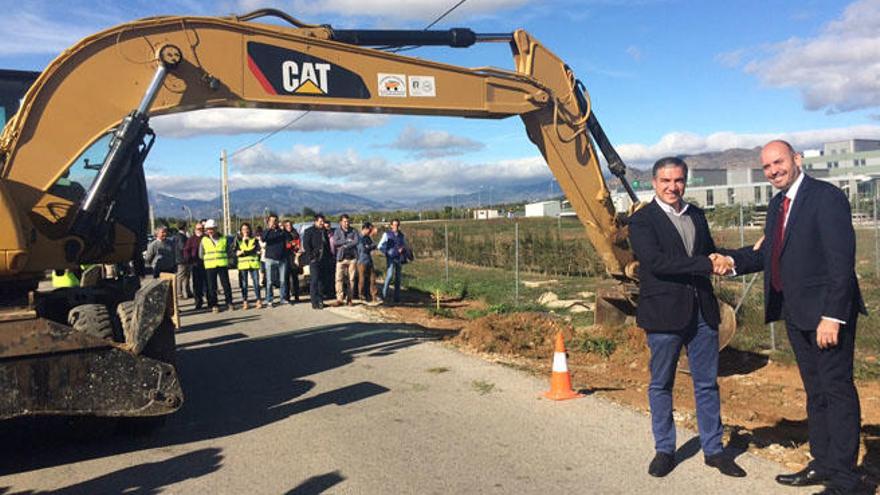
[
  {"x": 62, "y": 279},
  {"x": 247, "y": 249},
  {"x": 214, "y": 252}
]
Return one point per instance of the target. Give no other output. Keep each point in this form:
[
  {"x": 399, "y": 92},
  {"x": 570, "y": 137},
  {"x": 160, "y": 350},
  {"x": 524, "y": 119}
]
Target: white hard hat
[{"x": 210, "y": 224}]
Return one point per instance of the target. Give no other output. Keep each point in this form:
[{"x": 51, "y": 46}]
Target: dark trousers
[
  {"x": 198, "y": 280},
  {"x": 328, "y": 273},
  {"x": 833, "y": 411},
  {"x": 293, "y": 283},
  {"x": 212, "y": 274},
  {"x": 316, "y": 282},
  {"x": 701, "y": 342}
]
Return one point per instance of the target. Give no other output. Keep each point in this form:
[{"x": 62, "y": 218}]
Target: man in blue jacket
[
  {"x": 677, "y": 308},
  {"x": 808, "y": 260},
  {"x": 345, "y": 238},
  {"x": 393, "y": 245}
]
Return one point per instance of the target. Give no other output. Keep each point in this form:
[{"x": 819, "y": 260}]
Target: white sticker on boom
[
  {"x": 392, "y": 85},
  {"x": 422, "y": 86}
]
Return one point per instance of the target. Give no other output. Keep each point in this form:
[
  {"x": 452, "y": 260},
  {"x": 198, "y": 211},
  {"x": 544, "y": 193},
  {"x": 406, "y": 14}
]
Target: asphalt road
[{"x": 291, "y": 400}]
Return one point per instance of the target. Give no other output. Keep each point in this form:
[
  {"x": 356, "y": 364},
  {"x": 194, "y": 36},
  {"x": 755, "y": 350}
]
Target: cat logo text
[{"x": 306, "y": 78}]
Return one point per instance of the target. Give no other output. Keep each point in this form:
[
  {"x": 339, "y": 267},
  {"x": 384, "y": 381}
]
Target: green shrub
[{"x": 602, "y": 346}]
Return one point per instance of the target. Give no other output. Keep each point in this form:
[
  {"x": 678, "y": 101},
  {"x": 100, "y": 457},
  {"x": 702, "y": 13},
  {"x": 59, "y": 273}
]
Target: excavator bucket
[
  {"x": 47, "y": 368},
  {"x": 616, "y": 306}
]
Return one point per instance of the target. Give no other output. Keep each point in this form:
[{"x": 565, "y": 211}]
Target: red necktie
[{"x": 775, "y": 268}]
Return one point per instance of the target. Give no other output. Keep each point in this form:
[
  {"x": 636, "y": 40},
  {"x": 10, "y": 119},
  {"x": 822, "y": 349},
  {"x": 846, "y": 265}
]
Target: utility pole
[
  {"x": 876, "y": 237},
  {"x": 189, "y": 214},
  {"x": 224, "y": 188},
  {"x": 446, "y": 249},
  {"x": 152, "y": 220}
]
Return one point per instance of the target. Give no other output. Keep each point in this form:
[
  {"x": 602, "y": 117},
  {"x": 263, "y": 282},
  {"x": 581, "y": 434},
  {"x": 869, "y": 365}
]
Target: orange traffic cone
[{"x": 560, "y": 379}]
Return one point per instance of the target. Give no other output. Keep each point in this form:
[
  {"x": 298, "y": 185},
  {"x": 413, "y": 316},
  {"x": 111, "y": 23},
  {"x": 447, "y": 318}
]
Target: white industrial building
[
  {"x": 852, "y": 165},
  {"x": 852, "y": 153},
  {"x": 485, "y": 214},
  {"x": 543, "y": 209}
]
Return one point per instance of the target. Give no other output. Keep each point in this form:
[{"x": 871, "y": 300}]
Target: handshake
[{"x": 721, "y": 265}]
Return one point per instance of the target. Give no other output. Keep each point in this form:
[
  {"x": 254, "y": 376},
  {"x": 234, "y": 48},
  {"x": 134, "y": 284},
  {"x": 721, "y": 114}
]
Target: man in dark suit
[
  {"x": 677, "y": 307},
  {"x": 316, "y": 251},
  {"x": 808, "y": 260}
]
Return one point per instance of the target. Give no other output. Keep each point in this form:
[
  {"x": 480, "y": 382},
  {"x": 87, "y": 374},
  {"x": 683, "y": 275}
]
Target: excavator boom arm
[{"x": 93, "y": 87}]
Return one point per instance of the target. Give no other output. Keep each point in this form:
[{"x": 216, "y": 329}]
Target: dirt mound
[{"x": 519, "y": 334}]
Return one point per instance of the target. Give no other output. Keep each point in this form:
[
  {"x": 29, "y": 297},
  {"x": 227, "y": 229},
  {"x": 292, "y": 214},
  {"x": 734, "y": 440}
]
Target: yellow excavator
[{"x": 72, "y": 187}]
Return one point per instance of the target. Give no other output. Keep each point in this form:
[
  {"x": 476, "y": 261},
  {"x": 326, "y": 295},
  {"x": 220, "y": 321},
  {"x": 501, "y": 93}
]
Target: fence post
[
  {"x": 516, "y": 263},
  {"x": 446, "y": 237},
  {"x": 742, "y": 242},
  {"x": 772, "y": 336},
  {"x": 876, "y": 241}
]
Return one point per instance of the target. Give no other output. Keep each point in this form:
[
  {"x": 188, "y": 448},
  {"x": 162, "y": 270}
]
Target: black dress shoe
[
  {"x": 661, "y": 465},
  {"x": 805, "y": 477},
  {"x": 726, "y": 465}
]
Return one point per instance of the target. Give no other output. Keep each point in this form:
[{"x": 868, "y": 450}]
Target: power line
[
  {"x": 445, "y": 14},
  {"x": 267, "y": 136},
  {"x": 429, "y": 26}
]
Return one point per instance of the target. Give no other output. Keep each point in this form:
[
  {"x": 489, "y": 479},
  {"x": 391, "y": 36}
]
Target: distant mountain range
[
  {"x": 289, "y": 199},
  {"x": 255, "y": 201},
  {"x": 734, "y": 158}
]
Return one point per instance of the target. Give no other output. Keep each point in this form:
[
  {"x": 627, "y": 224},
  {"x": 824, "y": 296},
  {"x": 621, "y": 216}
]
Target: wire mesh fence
[
  {"x": 544, "y": 246},
  {"x": 551, "y": 248}
]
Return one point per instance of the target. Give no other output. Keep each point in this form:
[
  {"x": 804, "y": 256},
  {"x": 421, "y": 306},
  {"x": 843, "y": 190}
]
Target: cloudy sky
[{"x": 665, "y": 77}]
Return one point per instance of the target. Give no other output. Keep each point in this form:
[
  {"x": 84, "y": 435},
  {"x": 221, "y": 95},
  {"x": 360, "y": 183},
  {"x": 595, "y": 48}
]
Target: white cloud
[
  {"x": 414, "y": 10},
  {"x": 837, "y": 70},
  {"x": 302, "y": 159},
  {"x": 312, "y": 167},
  {"x": 201, "y": 187},
  {"x": 230, "y": 121},
  {"x": 49, "y": 27},
  {"x": 186, "y": 187},
  {"x": 731, "y": 59},
  {"x": 684, "y": 143},
  {"x": 28, "y": 32},
  {"x": 434, "y": 144},
  {"x": 374, "y": 177}
]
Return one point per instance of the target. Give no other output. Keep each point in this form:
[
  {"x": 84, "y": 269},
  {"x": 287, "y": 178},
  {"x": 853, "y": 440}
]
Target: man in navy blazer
[
  {"x": 808, "y": 260},
  {"x": 677, "y": 308}
]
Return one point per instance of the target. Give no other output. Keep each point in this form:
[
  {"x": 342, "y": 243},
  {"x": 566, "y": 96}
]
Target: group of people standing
[
  {"x": 340, "y": 262},
  {"x": 345, "y": 255}
]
